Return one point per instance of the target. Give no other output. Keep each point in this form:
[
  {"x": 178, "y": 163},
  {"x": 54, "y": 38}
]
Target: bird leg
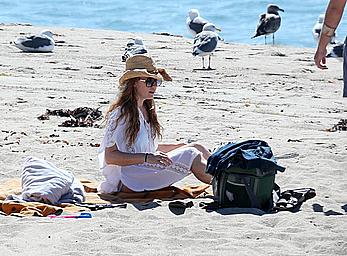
[
  {"x": 203, "y": 63},
  {"x": 273, "y": 39},
  {"x": 265, "y": 39},
  {"x": 209, "y": 62}
]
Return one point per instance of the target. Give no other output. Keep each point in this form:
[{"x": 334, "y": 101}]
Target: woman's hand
[{"x": 159, "y": 158}]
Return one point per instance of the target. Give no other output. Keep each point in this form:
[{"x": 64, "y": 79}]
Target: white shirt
[{"x": 145, "y": 176}]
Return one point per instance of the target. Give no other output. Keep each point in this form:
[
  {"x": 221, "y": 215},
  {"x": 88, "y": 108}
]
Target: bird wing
[
  {"x": 196, "y": 27},
  {"x": 272, "y": 23},
  {"x": 205, "y": 42},
  {"x": 37, "y": 41},
  {"x": 268, "y": 23},
  {"x": 139, "y": 50},
  {"x": 197, "y": 24},
  {"x": 133, "y": 50}
]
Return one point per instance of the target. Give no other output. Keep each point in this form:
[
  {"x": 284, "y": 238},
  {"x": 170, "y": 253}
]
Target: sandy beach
[{"x": 273, "y": 93}]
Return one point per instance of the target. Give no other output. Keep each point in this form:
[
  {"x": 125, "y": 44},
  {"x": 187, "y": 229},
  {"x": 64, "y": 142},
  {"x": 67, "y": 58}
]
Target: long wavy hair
[{"x": 127, "y": 101}]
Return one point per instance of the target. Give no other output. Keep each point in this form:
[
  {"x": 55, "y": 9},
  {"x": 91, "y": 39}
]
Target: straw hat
[{"x": 142, "y": 66}]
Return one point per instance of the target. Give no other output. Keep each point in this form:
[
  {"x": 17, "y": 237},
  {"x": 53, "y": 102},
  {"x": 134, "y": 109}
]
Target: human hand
[
  {"x": 320, "y": 59},
  {"x": 159, "y": 158}
]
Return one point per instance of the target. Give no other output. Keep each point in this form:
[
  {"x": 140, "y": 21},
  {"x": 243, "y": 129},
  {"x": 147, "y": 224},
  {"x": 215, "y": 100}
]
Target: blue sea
[{"x": 237, "y": 18}]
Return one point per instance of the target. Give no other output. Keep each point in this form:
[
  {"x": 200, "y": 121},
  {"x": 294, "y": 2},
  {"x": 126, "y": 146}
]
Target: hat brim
[{"x": 136, "y": 73}]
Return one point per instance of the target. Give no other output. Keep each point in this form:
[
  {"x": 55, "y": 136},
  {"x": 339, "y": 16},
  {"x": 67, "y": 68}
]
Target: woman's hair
[{"x": 127, "y": 101}]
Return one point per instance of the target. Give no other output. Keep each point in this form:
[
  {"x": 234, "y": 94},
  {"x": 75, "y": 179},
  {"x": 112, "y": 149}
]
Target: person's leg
[
  {"x": 205, "y": 152},
  {"x": 123, "y": 188},
  {"x": 345, "y": 69},
  {"x": 198, "y": 169}
]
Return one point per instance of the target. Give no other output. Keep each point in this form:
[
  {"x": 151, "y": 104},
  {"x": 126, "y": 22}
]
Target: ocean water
[{"x": 237, "y": 18}]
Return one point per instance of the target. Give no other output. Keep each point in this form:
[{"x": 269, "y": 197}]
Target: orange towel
[
  {"x": 168, "y": 193},
  {"x": 92, "y": 197},
  {"x": 29, "y": 209}
]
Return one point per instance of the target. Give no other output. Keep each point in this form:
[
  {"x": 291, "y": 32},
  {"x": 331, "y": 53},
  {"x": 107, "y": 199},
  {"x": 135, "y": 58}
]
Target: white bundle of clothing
[{"x": 43, "y": 182}]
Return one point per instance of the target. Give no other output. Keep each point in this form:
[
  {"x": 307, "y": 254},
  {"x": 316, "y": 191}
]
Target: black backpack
[{"x": 244, "y": 175}]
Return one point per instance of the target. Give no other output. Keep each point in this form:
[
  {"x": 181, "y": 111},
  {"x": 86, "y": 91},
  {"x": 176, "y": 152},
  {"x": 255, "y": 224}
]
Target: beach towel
[
  {"x": 94, "y": 200},
  {"x": 28, "y": 209}
]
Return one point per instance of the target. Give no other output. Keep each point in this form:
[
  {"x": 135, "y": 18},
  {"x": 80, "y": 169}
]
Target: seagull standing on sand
[
  {"x": 42, "y": 42},
  {"x": 205, "y": 43},
  {"x": 269, "y": 22},
  {"x": 318, "y": 27},
  {"x": 194, "y": 22},
  {"x": 134, "y": 47}
]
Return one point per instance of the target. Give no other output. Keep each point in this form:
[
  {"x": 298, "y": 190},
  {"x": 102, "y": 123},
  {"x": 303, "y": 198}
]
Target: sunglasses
[{"x": 150, "y": 82}]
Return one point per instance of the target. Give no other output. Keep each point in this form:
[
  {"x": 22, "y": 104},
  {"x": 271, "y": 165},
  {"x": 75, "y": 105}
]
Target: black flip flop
[{"x": 181, "y": 205}]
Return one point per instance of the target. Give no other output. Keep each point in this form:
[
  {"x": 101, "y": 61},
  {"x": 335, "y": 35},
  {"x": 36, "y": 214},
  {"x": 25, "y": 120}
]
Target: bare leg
[
  {"x": 200, "y": 162},
  {"x": 205, "y": 152},
  {"x": 198, "y": 169},
  {"x": 125, "y": 189}
]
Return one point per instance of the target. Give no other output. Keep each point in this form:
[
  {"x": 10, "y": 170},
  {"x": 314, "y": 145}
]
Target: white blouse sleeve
[{"x": 114, "y": 135}]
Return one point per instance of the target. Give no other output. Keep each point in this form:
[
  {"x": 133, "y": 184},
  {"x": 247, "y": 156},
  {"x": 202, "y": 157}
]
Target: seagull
[
  {"x": 195, "y": 22},
  {"x": 269, "y": 22},
  {"x": 205, "y": 43},
  {"x": 134, "y": 47},
  {"x": 336, "y": 51},
  {"x": 42, "y": 42},
  {"x": 318, "y": 27}
]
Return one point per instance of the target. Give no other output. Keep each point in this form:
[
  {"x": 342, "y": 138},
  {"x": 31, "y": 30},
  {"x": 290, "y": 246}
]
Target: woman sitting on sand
[{"x": 129, "y": 156}]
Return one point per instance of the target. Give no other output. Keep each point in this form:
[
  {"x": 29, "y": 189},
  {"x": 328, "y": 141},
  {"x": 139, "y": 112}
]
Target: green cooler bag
[{"x": 253, "y": 188}]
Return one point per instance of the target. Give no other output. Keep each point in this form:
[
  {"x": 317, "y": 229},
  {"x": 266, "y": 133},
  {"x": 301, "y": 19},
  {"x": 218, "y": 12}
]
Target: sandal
[
  {"x": 290, "y": 200},
  {"x": 181, "y": 205}
]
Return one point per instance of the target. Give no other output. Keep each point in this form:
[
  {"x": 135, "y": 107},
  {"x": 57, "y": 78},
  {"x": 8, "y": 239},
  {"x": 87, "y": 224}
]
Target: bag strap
[{"x": 251, "y": 195}]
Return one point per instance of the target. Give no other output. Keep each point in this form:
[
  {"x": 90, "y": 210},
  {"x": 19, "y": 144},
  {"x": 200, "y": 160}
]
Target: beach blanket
[{"x": 93, "y": 200}]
